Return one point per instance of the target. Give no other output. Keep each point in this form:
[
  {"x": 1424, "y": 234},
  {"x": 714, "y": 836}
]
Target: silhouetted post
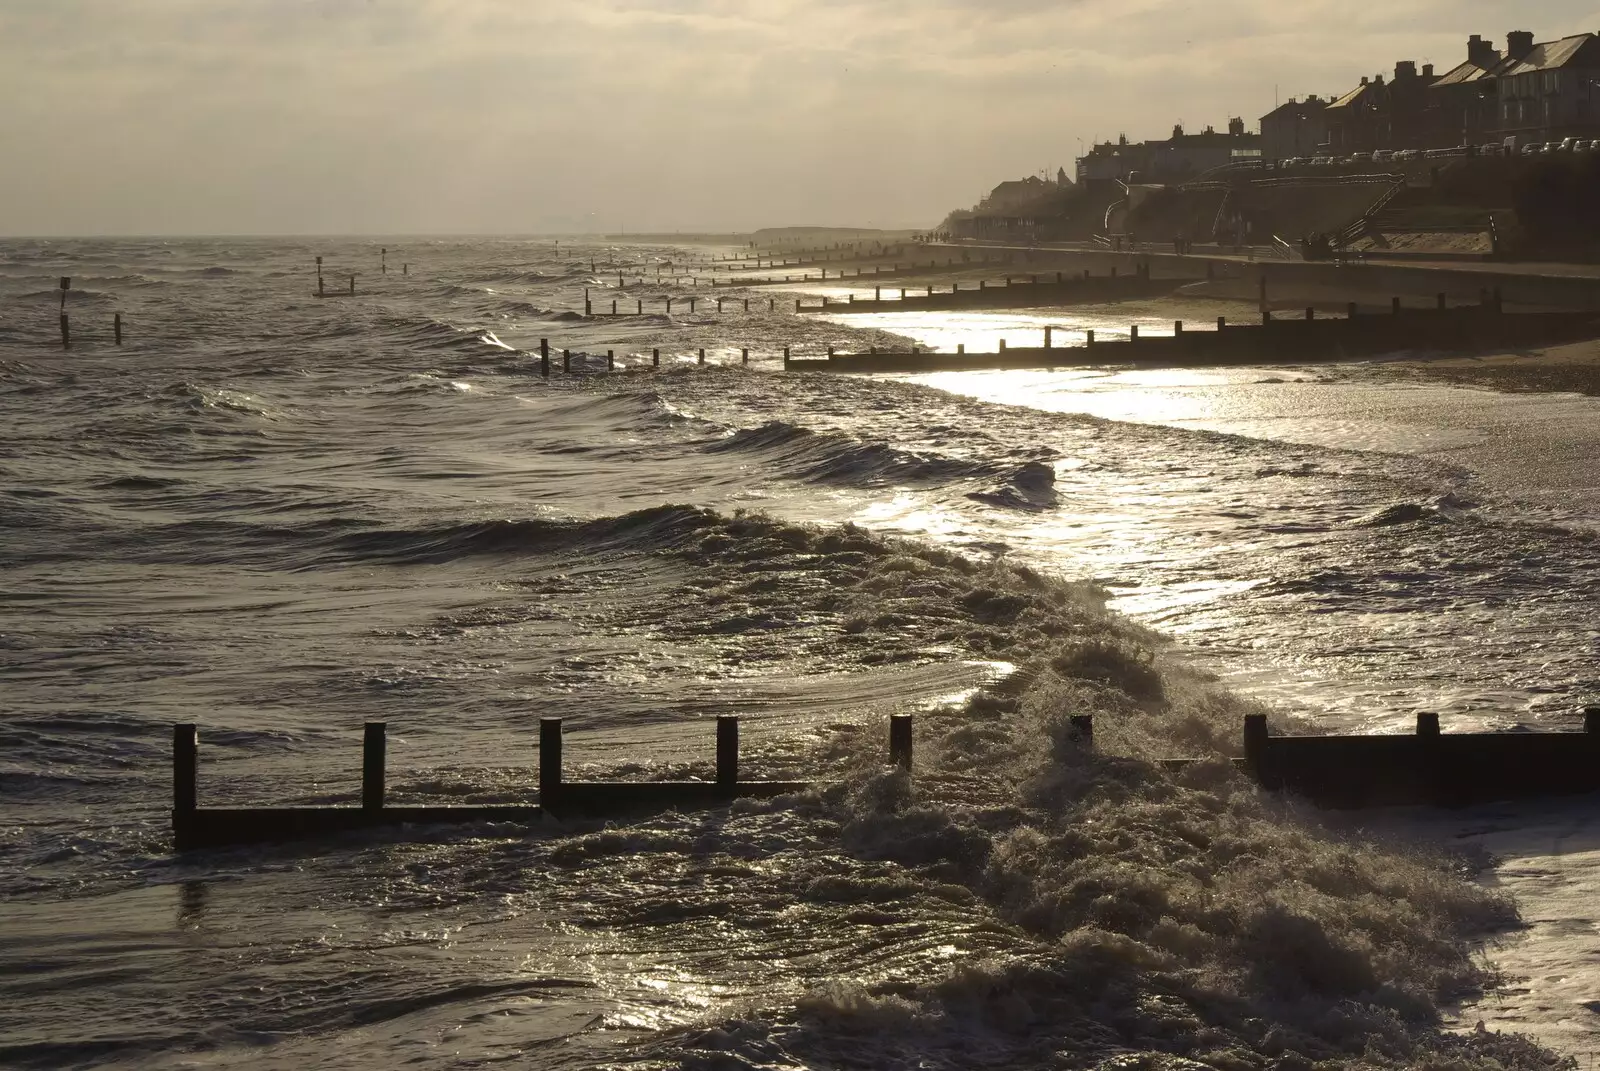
[
  {"x": 185, "y": 768},
  {"x": 1059, "y": 280},
  {"x": 691, "y": 304},
  {"x": 1222, "y": 323},
  {"x": 772, "y": 304},
  {"x": 373, "y": 742},
  {"x": 383, "y": 261},
  {"x": 1177, "y": 328},
  {"x": 669, "y": 306},
  {"x": 727, "y": 751},
  {"x": 1088, "y": 337},
  {"x": 1133, "y": 333},
  {"x": 319, "y": 270},
  {"x": 549, "y": 762},
  {"x": 797, "y": 304},
  {"x": 900, "y": 741},
  {"x": 352, "y": 284},
  {"x": 786, "y": 356},
  {"x": 746, "y": 304},
  {"x": 1427, "y": 723},
  {"x": 66, "y": 333},
  {"x": 655, "y": 358},
  {"x": 1591, "y": 719},
  {"x": 639, "y": 307},
  {"x": 702, "y": 357},
  {"x": 116, "y": 326},
  {"x": 1311, "y": 312},
  {"x": 613, "y": 306},
  {"x": 719, "y": 306},
  {"x": 611, "y": 360},
  {"x": 1255, "y": 744},
  {"x": 744, "y": 355},
  {"x": 877, "y": 293},
  {"x": 566, "y": 360},
  {"x": 1047, "y": 336},
  {"x": 319, "y": 285},
  {"x": 1002, "y": 345},
  {"x": 1266, "y": 316},
  {"x": 1081, "y": 730},
  {"x": 405, "y": 269}
]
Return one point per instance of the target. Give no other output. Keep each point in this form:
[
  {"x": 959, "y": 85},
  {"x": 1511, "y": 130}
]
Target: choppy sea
[{"x": 279, "y": 517}]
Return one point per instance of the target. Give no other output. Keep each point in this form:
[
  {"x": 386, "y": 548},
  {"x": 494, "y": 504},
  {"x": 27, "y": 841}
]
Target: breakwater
[
  {"x": 1275, "y": 339},
  {"x": 1011, "y": 293}
]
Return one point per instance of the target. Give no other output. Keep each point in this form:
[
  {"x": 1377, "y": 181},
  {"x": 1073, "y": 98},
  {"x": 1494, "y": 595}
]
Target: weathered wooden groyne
[
  {"x": 194, "y": 826},
  {"x": 1429, "y": 768},
  {"x": 1013, "y": 293},
  {"x": 1274, "y": 340}
]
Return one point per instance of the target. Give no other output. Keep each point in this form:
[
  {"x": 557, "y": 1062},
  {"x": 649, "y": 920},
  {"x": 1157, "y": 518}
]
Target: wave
[
  {"x": 825, "y": 457},
  {"x": 1032, "y": 488}
]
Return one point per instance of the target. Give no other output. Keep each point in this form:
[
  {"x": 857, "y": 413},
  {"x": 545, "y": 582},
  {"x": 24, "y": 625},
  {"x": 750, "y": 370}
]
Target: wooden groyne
[
  {"x": 1274, "y": 340},
  {"x": 194, "y": 826},
  {"x": 1012, "y": 293},
  {"x": 1428, "y": 767},
  {"x": 1343, "y": 772}
]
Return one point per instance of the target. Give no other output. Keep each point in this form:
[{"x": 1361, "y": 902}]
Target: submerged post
[
  {"x": 655, "y": 358},
  {"x": 611, "y": 360},
  {"x": 373, "y": 743},
  {"x": 352, "y": 284},
  {"x": 549, "y": 762},
  {"x": 66, "y": 333},
  {"x": 1255, "y": 744},
  {"x": 544, "y": 357},
  {"x": 185, "y": 768},
  {"x": 900, "y": 741},
  {"x": 116, "y": 327},
  {"x": 727, "y": 751}
]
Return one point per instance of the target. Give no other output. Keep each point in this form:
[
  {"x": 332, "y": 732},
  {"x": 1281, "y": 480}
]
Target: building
[
  {"x": 1546, "y": 92},
  {"x": 1465, "y": 98},
  {"x": 1179, "y": 158},
  {"x": 1294, "y": 129},
  {"x": 1380, "y": 114}
]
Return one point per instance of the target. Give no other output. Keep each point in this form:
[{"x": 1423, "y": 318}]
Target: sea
[{"x": 278, "y": 516}]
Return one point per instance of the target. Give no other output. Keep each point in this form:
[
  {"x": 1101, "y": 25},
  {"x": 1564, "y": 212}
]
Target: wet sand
[{"x": 1573, "y": 368}]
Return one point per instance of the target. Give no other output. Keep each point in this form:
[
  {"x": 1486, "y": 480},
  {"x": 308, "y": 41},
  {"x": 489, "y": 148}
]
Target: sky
[{"x": 539, "y": 116}]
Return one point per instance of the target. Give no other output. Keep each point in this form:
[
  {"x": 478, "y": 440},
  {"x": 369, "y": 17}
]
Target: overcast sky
[{"x": 520, "y": 116}]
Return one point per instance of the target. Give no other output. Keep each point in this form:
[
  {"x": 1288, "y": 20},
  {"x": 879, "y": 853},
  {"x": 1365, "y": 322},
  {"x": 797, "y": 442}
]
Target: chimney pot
[
  {"x": 1427, "y": 70},
  {"x": 1518, "y": 44}
]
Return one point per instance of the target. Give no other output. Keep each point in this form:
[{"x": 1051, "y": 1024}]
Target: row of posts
[{"x": 374, "y": 749}]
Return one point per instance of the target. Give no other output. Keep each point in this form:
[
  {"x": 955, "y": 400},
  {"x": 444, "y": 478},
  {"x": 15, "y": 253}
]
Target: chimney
[
  {"x": 1365, "y": 80},
  {"x": 1480, "y": 52},
  {"x": 1177, "y": 131},
  {"x": 1378, "y": 81},
  {"x": 1236, "y": 127},
  {"x": 1427, "y": 71},
  {"x": 1405, "y": 69},
  {"x": 1518, "y": 44}
]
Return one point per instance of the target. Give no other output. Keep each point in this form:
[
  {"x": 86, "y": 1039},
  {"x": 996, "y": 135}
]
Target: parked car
[
  {"x": 1532, "y": 149},
  {"x": 1567, "y": 145},
  {"x": 1359, "y": 158},
  {"x": 1322, "y": 161},
  {"x": 1491, "y": 149},
  {"x": 1405, "y": 156},
  {"x": 1383, "y": 156}
]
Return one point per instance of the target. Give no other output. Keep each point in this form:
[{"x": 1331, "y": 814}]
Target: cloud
[{"x": 186, "y": 116}]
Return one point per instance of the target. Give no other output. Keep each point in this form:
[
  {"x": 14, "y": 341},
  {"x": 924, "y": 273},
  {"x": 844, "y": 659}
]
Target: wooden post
[
  {"x": 1222, "y": 322},
  {"x": 66, "y": 333},
  {"x": 373, "y": 742},
  {"x": 746, "y": 304},
  {"x": 352, "y": 284},
  {"x": 1089, "y": 337},
  {"x": 702, "y": 357},
  {"x": 1311, "y": 312},
  {"x": 961, "y": 347},
  {"x": 1591, "y": 719},
  {"x": 900, "y": 741},
  {"x": 655, "y": 358},
  {"x": 1047, "y": 336},
  {"x": 744, "y": 355},
  {"x": 639, "y": 307},
  {"x": 613, "y": 306},
  {"x": 1081, "y": 730},
  {"x": 405, "y": 269},
  {"x": 116, "y": 326},
  {"x": 727, "y": 751},
  {"x": 719, "y": 306},
  {"x": 1255, "y": 745},
  {"x": 877, "y": 293},
  {"x": 566, "y": 360},
  {"x": 669, "y": 306},
  {"x": 1427, "y": 723},
  {"x": 1177, "y": 328},
  {"x": 383, "y": 261},
  {"x": 1133, "y": 333},
  {"x": 786, "y": 356},
  {"x": 796, "y": 304},
  {"x": 549, "y": 763},
  {"x": 185, "y": 768},
  {"x": 611, "y": 360},
  {"x": 1002, "y": 345},
  {"x": 691, "y": 304},
  {"x": 544, "y": 357},
  {"x": 319, "y": 270},
  {"x": 319, "y": 284}
]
